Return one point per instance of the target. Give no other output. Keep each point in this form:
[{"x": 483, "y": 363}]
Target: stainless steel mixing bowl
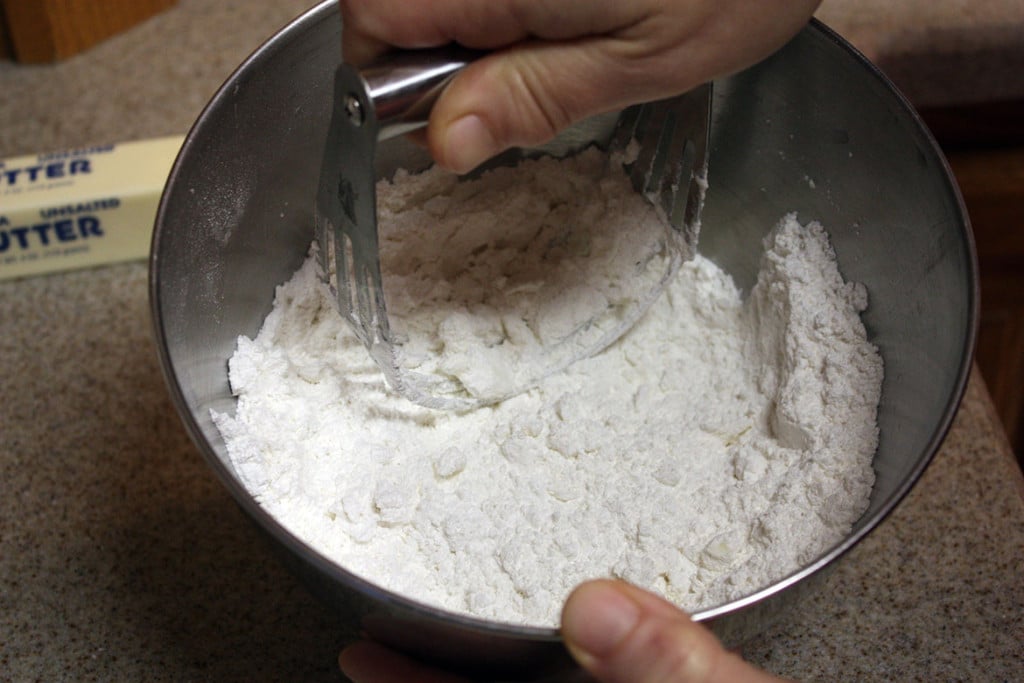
[{"x": 815, "y": 129}]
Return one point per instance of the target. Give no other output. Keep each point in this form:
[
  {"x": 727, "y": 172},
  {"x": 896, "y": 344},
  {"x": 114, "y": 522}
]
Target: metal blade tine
[
  {"x": 673, "y": 165},
  {"x": 683, "y": 152},
  {"x": 344, "y": 262},
  {"x": 325, "y": 251},
  {"x": 699, "y": 124},
  {"x": 625, "y": 127},
  {"x": 693, "y": 112},
  {"x": 372, "y": 316},
  {"x": 646, "y": 171}
]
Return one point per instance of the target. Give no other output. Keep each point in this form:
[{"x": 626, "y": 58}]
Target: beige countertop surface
[{"x": 123, "y": 559}]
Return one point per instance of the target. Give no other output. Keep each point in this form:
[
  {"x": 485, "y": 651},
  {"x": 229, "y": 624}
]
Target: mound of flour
[
  {"x": 495, "y": 283},
  {"x": 719, "y": 445}
]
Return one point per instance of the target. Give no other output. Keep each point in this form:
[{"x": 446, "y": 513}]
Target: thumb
[
  {"x": 524, "y": 95},
  {"x": 621, "y": 634}
]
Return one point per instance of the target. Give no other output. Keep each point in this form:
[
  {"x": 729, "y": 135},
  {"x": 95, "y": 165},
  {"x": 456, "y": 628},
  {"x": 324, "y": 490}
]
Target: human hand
[
  {"x": 616, "y": 632},
  {"x": 622, "y": 634},
  {"x": 555, "y": 63}
]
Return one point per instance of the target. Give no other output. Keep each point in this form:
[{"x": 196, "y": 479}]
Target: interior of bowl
[
  {"x": 813, "y": 130},
  {"x": 817, "y": 131}
]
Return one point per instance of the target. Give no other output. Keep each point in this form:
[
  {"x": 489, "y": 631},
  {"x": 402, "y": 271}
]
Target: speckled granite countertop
[{"x": 122, "y": 558}]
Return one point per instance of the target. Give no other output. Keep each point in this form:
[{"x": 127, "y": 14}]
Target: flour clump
[
  {"x": 497, "y": 282},
  {"x": 718, "y": 446}
]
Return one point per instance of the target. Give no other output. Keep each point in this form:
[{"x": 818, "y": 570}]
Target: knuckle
[
  {"x": 675, "y": 653},
  {"x": 529, "y": 112}
]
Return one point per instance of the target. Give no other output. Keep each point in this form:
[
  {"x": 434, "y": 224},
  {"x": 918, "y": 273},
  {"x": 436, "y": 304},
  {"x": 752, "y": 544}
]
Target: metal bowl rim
[{"x": 372, "y": 591}]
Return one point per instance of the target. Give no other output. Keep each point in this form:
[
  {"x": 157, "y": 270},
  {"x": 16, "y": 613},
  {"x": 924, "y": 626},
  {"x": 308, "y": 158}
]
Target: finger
[
  {"x": 621, "y": 634},
  {"x": 359, "y": 49},
  {"x": 518, "y": 97},
  {"x": 556, "y": 63},
  {"x": 483, "y": 24},
  {"x": 526, "y": 94},
  {"x": 367, "y": 662}
]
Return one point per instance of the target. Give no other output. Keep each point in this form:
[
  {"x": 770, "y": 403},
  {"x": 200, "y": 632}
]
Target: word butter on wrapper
[{"x": 83, "y": 207}]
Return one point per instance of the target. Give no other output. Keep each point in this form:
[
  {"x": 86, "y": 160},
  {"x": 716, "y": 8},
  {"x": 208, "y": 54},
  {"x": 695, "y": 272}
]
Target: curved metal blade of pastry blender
[{"x": 395, "y": 97}]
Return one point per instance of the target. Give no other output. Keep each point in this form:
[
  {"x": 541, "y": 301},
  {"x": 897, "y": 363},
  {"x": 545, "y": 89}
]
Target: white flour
[
  {"x": 494, "y": 284},
  {"x": 716, "y": 447}
]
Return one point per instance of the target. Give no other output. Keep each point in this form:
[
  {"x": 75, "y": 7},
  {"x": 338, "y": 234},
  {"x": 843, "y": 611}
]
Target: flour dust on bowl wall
[{"x": 779, "y": 399}]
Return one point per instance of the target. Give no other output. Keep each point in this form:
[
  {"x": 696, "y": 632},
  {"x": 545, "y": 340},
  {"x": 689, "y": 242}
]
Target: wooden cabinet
[
  {"x": 50, "y": 30},
  {"x": 992, "y": 182},
  {"x": 5, "y": 43},
  {"x": 985, "y": 148}
]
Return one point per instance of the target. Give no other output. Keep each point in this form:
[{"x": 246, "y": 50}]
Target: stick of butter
[{"x": 82, "y": 207}]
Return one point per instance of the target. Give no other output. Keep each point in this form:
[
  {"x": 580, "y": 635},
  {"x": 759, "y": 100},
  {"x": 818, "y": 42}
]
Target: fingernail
[
  {"x": 467, "y": 144},
  {"x": 598, "y": 618}
]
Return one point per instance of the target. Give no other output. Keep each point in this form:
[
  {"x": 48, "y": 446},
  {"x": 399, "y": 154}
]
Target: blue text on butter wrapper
[
  {"x": 26, "y": 237},
  {"x": 51, "y": 171}
]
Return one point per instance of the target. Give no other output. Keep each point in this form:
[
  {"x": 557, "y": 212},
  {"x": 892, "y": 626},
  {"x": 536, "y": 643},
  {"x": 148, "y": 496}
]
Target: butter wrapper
[{"x": 83, "y": 207}]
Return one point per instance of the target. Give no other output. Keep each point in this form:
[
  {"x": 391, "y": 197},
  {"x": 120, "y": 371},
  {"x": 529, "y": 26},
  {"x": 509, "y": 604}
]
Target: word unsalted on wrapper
[{"x": 80, "y": 208}]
